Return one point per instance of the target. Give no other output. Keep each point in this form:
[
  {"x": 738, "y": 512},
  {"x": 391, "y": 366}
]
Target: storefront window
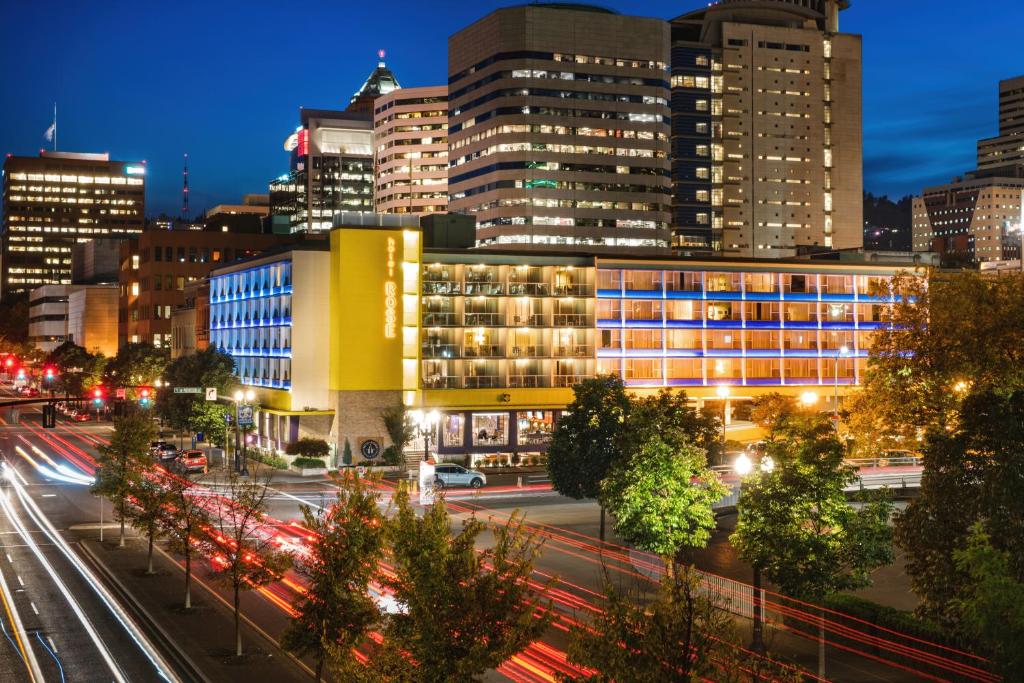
[
  {"x": 535, "y": 427},
  {"x": 451, "y": 429},
  {"x": 490, "y": 429}
]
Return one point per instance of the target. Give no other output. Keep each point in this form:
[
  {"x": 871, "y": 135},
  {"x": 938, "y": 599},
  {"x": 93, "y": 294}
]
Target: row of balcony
[
  {"x": 454, "y": 288},
  {"x": 429, "y": 350},
  {"x": 512, "y": 381},
  {"x": 451, "y": 319}
]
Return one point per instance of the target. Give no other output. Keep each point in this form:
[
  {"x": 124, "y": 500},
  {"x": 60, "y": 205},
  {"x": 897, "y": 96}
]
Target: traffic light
[
  {"x": 9, "y": 362},
  {"x": 49, "y": 372},
  {"x": 97, "y": 396},
  {"x": 145, "y": 394}
]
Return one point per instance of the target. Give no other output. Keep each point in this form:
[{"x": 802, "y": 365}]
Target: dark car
[{"x": 163, "y": 451}]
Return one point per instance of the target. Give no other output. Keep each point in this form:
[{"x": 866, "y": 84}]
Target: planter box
[{"x": 312, "y": 472}]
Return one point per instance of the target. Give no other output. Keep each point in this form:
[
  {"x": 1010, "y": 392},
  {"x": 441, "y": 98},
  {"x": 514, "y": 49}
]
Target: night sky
[{"x": 223, "y": 80}]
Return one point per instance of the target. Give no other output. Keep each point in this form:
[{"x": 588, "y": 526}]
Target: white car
[{"x": 446, "y": 475}]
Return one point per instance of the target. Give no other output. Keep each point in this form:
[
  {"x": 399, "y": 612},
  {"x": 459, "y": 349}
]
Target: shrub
[
  {"x": 308, "y": 463},
  {"x": 309, "y": 448},
  {"x": 392, "y": 456},
  {"x": 890, "y": 618},
  {"x": 275, "y": 461}
]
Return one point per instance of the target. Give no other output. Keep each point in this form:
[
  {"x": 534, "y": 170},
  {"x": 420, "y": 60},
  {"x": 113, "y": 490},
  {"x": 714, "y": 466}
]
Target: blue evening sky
[{"x": 223, "y": 80}]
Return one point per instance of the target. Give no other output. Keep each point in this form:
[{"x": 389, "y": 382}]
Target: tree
[
  {"x": 150, "y": 498},
  {"x": 14, "y": 319},
  {"x": 587, "y": 439},
  {"x": 245, "y": 556},
  {"x": 660, "y": 498},
  {"x": 681, "y": 633},
  {"x": 209, "y": 418},
  {"x": 400, "y": 430},
  {"x": 122, "y": 462},
  {"x": 136, "y": 364},
  {"x": 206, "y": 368},
  {"x": 771, "y": 412},
  {"x": 337, "y": 610},
  {"x": 186, "y": 517},
  {"x": 77, "y": 369},
  {"x": 991, "y": 602},
  {"x": 669, "y": 416},
  {"x": 465, "y": 610},
  {"x": 973, "y": 474},
  {"x": 795, "y": 524},
  {"x": 346, "y": 453}
]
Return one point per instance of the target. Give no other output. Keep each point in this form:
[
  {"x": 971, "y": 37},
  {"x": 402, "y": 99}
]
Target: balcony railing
[
  {"x": 438, "y": 319},
  {"x": 571, "y": 320},
  {"x": 483, "y": 319},
  {"x": 528, "y": 381},
  {"x": 527, "y": 351},
  {"x": 528, "y": 288},
  {"x": 483, "y": 351},
  {"x": 439, "y": 382},
  {"x": 484, "y": 289},
  {"x": 441, "y": 287},
  {"x": 574, "y": 351},
  {"x": 531, "y": 320},
  {"x": 573, "y": 290},
  {"x": 483, "y": 382},
  {"x": 568, "y": 380},
  {"x": 440, "y": 350}
]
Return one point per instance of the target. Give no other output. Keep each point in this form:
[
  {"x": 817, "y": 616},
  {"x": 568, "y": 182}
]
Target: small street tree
[
  {"x": 206, "y": 368},
  {"x": 337, "y": 610},
  {"x": 208, "y": 417},
  {"x": 77, "y": 369},
  {"x": 680, "y": 633},
  {"x": 245, "y": 555},
  {"x": 400, "y": 430},
  {"x": 669, "y": 416},
  {"x": 771, "y": 412},
  {"x": 184, "y": 523},
  {"x": 795, "y": 524},
  {"x": 465, "y": 610},
  {"x": 660, "y": 498},
  {"x": 587, "y": 439},
  {"x": 122, "y": 462},
  {"x": 136, "y": 364},
  {"x": 149, "y": 498}
]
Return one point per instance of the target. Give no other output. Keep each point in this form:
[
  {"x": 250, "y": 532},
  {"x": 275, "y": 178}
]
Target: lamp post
[
  {"x": 808, "y": 399},
  {"x": 241, "y": 465},
  {"x": 743, "y": 467},
  {"x": 425, "y": 424},
  {"x": 844, "y": 350}
]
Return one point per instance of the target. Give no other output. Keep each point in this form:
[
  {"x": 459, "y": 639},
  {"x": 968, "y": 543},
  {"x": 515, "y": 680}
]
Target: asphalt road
[{"x": 69, "y": 625}]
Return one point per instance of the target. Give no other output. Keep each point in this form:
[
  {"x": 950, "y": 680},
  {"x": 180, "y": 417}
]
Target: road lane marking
[
  {"x": 50, "y": 641},
  {"x": 18, "y": 576},
  {"x": 33, "y": 606}
]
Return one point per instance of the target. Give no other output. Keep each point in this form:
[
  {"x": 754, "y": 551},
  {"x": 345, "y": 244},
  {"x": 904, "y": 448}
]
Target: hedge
[{"x": 308, "y": 463}]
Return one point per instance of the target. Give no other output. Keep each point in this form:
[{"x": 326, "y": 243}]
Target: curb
[{"x": 184, "y": 663}]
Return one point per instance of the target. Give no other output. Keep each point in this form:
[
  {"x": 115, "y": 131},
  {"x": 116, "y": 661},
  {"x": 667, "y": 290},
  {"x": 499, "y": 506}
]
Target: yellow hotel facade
[{"x": 494, "y": 341}]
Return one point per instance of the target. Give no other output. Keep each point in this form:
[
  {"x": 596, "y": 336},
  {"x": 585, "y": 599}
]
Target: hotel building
[
  {"x": 495, "y": 340},
  {"x": 1003, "y": 155},
  {"x": 766, "y": 129},
  {"x": 558, "y": 129},
  {"x": 410, "y": 139},
  {"x": 55, "y": 200}
]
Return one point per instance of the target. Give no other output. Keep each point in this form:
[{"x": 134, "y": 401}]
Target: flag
[{"x": 50, "y": 132}]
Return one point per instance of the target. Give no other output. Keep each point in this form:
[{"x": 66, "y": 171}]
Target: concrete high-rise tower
[{"x": 766, "y": 129}]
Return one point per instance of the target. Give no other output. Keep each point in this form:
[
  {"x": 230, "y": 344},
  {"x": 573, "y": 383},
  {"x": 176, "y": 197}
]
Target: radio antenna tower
[{"x": 184, "y": 190}]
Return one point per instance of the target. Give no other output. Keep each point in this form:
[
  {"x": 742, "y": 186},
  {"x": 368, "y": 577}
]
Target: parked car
[
  {"x": 163, "y": 451},
  {"x": 191, "y": 461},
  {"x": 446, "y": 475},
  {"x": 81, "y": 417}
]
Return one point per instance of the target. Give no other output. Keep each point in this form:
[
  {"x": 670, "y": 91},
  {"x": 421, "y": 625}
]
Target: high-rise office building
[
  {"x": 766, "y": 129},
  {"x": 978, "y": 218},
  {"x": 331, "y": 168},
  {"x": 57, "y": 199},
  {"x": 1003, "y": 155},
  {"x": 410, "y": 139},
  {"x": 558, "y": 128}
]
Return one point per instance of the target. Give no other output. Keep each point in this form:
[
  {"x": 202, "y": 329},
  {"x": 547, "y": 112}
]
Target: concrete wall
[{"x": 92, "y": 318}]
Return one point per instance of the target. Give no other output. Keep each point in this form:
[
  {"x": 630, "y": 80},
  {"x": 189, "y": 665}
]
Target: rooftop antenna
[{"x": 184, "y": 190}]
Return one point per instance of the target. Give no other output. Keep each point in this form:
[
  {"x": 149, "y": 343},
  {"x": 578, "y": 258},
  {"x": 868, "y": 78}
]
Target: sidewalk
[{"x": 204, "y": 636}]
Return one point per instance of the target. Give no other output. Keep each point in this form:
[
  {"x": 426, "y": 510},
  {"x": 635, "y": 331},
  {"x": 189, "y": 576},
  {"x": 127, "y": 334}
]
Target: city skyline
[{"x": 915, "y": 135}]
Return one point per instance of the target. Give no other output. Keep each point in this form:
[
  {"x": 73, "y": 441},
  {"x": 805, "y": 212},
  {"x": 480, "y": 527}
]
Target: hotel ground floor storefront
[{"x": 492, "y": 342}]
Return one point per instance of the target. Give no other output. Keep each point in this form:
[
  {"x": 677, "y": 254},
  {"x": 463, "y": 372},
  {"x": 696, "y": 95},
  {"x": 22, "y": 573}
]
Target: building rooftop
[{"x": 381, "y": 81}]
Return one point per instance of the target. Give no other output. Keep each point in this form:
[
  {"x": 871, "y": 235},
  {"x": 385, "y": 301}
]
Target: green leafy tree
[
  {"x": 466, "y": 610},
  {"x": 772, "y": 412},
  {"x": 795, "y": 524},
  {"x": 973, "y": 474},
  {"x": 77, "y": 369},
  {"x": 183, "y": 524},
  {"x": 400, "y": 430},
  {"x": 206, "y": 368},
  {"x": 346, "y": 453},
  {"x": 244, "y": 558},
  {"x": 991, "y": 602},
  {"x": 122, "y": 462},
  {"x": 661, "y": 497},
  {"x": 311, "y": 448},
  {"x": 669, "y": 417},
  {"x": 150, "y": 498},
  {"x": 681, "y": 633},
  {"x": 337, "y": 610},
  {"x": 209, "y": 418},
  {"x": 136, "y": 364},
  {"x": 587, "y": 439}
]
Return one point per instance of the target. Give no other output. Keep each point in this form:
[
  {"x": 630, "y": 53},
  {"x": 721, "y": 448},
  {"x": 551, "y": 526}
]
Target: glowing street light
[
  {"x": 808, "y": 399},
  {"x": 425, "y": 424},
  {"x": 742, "y": 465}
]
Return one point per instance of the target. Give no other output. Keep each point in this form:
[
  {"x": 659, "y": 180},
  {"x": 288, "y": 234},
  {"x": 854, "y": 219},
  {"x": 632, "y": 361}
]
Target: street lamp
[
  {"x": 242, "y": 398},
  {"x": 743, "y": 466},
  {"x": 844, "y": 351},
  {"x": 425, "y": 424},
  {"x": 808, "y": 399}
]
